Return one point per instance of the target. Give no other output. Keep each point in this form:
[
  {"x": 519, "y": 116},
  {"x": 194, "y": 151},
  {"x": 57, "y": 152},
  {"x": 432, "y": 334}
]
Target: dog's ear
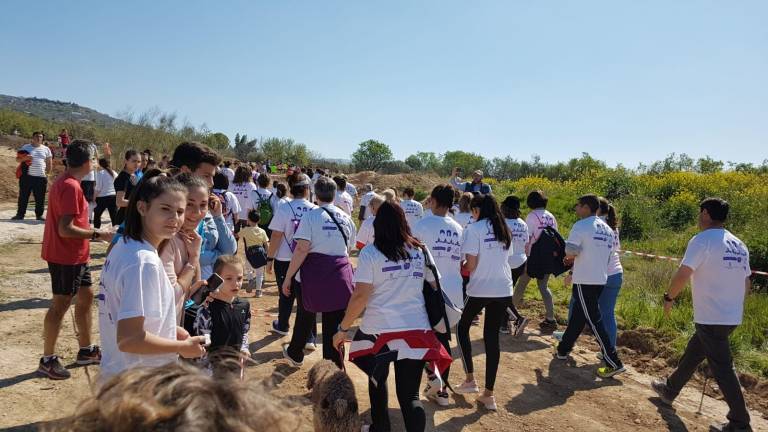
[{"x": 340, "y": 406}]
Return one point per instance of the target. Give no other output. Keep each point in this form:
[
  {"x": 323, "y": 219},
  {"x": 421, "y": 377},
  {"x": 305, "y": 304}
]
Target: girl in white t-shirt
[
  {"x": 464, "y": 215},
  {"x": 137, "y": 314},
  {"x": 243, "y": 188},
  {"x": 106, "y": 198},
  {"x": 365, "y": 233},
  {"x": 487, "y": 245},
  {"x": 518, "y": 229},
  {"x": 538, "y": 219}
]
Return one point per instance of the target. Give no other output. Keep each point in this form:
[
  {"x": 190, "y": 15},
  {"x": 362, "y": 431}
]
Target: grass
[{"x": 640, "y": 306}]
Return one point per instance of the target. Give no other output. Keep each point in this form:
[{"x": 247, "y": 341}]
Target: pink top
[{"x": 175, "y": 256}]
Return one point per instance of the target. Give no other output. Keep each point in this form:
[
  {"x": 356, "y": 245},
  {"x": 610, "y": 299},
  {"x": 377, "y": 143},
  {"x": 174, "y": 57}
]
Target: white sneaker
[
  {"x": 433, "y": 386},
  {"x": 258, "y": 293},
  {"x": 467, "y": 387},
  {"x": 310, "y": 346},
  {"x": 440, "y": 398},
  {"x": 489, "y": 402}
]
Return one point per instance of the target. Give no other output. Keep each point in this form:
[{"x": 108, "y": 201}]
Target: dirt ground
[{"x": 534, "y": 392}]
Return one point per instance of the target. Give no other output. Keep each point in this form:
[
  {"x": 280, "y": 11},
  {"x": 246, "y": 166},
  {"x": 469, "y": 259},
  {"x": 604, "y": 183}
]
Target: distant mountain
[{"x": 57, "y": 111}]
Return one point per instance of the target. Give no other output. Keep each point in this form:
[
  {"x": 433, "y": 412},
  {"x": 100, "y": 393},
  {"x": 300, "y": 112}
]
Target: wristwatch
[
  {"x": 341, "y": 329},
  {"x": 667, "y": 298}
]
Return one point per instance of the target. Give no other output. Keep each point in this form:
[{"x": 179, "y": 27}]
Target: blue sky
[{"x": 626, "y": 81}]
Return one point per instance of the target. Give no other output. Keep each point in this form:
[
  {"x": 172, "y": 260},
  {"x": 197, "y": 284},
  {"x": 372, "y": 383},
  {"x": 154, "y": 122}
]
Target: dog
[{"x": 333, "y": 398}]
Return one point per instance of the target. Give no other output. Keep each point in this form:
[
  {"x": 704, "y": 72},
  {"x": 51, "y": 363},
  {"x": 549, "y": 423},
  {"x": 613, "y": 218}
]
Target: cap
[{"x": 478, "y": 173}]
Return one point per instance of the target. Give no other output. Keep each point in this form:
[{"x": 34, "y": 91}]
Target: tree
[
  {"x": 217, "y": 141},
  {"x": 244, "y": 147},
  {"x": 371, "y": 155},
  {"x": 424, "y": 161},
  {"x": 468, "y": 162}
]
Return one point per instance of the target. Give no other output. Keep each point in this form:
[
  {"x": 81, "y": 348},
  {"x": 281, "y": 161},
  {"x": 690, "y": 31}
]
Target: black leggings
[
  {"x": 305, "y": 328},
  {"x": 495, "y": 308},
  {"x": 512, "y": 312},
  {"x": 108, "y": 203},
  {"x": 407, "y": 382}
]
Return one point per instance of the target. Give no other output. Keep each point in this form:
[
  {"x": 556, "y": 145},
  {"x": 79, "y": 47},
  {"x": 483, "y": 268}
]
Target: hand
[
  {"x": 269, "y": 267},
  {"x": 106, "y": 235},
  {"x": 193, "y": 240},
  {"x": 339, "y": 338},
  {"x": 192, "y": 347},
  {"x": 568, "y": 260},
  {"x": 215, "y": 204},
  {"x": 287, "y": 286},
  {"x": 181, "y": 334},
  {"x": 668, "y": 308}
]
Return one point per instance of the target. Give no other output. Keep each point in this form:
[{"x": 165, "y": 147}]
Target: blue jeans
[{"x": 607, "y": 302}]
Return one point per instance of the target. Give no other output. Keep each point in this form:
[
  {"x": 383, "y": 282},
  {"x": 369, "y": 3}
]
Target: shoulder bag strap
[{"x": 338, "y": 225}]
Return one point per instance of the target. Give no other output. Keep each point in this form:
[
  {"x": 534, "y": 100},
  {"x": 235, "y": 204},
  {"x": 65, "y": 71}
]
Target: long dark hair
[
  {"x": 104, "y": 164},
  {"x": 510, "y": 207},
  {"x": 391, "y": 233},
  {"x": 489, "y": 209},
  {"x": 242, "y": 175},
  {"x": 609, "y": 211},
  {"x": 129, "y": 154},
  {"x": 147, "y": 190}
]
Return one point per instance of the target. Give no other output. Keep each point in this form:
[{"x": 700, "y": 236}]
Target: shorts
[
  {"x": 66, "y": 279},
  {"x": 89, "y": 189}
]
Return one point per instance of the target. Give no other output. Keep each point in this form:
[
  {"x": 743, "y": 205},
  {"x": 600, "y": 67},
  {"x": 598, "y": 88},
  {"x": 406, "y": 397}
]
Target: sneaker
[
  {"x": 558, "y": 335},
  {"x": 249, "y": 286},
  {"x": 607, "y": 371},
  {"x": 730, "y": 427},
  {"x": 548, "y": 324},
  {"x": 17, "y": 217},
  {"x": 293, "y": 362},
  {"x": 520, "y": 326},
  {"x": 259, "y": 293},
  {"x": 434, "y": 385},
  {"x": 661, "y": 389},
  {"x": 558, "y": 355},
  {"x": 489, "y": 402},
  {"x": 310, "y": 346},
  {"x": 467, "y": 387},
  {"x": 53, "y": 369},
  {"x": 276, "y": 329},
  {"x": 440, "y": 398},
  {"x": 89, "y": 356}
]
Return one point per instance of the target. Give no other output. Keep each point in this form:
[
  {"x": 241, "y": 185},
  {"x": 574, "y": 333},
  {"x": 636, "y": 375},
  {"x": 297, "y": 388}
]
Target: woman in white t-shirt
[
  {"x": 538, "y": 219},
  {"x": 518, "y": 229},
  {"x": 610, "y": 293},
  {"x": 487, "y": 245},
  {"x": 388, "y": 293},
  {"x": 230, "y": 204},
  {"x": 242, "y": 188},
  {"x": 137, "y": 313},
  {"x": 365, "y": 233},
  {"x": 464, "y": 215},
  {"x": 106, "y": 198}
]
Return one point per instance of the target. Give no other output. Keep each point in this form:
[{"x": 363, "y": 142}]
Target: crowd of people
[{"x": 169, "y": 295}]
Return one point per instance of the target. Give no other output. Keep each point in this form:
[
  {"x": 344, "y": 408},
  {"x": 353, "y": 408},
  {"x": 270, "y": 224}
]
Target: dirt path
[{"x": 534, "y": 392}]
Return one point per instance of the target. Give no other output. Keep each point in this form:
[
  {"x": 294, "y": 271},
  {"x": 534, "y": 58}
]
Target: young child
[
  {"x": 225, "y": 317},
  {"x": 255, "y": 236}
]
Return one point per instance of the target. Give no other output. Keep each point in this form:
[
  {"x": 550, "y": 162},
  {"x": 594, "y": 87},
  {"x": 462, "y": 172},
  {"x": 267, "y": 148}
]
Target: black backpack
[{"x": 547, "y": 254}]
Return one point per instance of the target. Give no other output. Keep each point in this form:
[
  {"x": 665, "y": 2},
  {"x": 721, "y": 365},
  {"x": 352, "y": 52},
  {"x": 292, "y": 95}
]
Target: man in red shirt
[{"x": 66, "y": 248}]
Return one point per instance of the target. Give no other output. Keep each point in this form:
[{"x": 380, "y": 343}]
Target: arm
[
  {"x": 227, "y": 244},
  {"x": 48, "y": 165},
  {"x": 120, "y": 198},
  {"x": 299, "y": 255},
  {"x": 355, "y": 308},
  {"x": 676, "y": 286},
  {"x": 132, "y": 338},
  {"x": 471, "y": 263},
  {"x": 67, "y": 229}
]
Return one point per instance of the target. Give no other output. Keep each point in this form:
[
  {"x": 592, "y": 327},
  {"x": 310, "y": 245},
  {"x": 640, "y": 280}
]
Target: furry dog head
[{"x": 333, "y": 396}]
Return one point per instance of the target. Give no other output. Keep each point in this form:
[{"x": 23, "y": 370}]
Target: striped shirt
[{"x": 39, "y": 155}]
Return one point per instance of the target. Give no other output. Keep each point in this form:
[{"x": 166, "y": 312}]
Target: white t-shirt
[
  {"x": 229, "y": 173},
  {"x": 720, "y": 263},
  {"x": 519, "y": 231},
  {"x": 233, "y": 207},
  {"x": 243, "y": 192},
  {"x": 365, "y": 201},
  {"x": 596, "y": 242},
  {"x": 537, "y": 220},
  {"x": 414, "y": 211},
  {"x": 344, "y": 201},
  {"x": 492, "y": 277},
  {"x": 365, "y": 233},
  {"x": 442, "y": 235},
  {"x": 323, "y": 235},
  {"x": 284, "y": 218},
  {"x": 463, "y": 219},
  {"x": 105, "y": 183},
  {"x": 39, "y": 155},
  {"x": 614, "y": 263},
  {"x": 351, "y": 190},
  {"x": 134, "y": 284},
  {"x": 397, "y": 301}
]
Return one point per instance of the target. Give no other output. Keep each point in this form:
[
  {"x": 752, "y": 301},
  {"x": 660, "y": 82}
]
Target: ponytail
[{"x": 489, "y": 209}]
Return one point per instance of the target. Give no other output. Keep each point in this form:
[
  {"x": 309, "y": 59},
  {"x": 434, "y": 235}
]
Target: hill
[{"x": 58, "y": 111}]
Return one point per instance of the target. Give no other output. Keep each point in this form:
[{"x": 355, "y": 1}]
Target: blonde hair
[
  {"x": 179, "y": 397},
  {"x": 390, "y": 195},
  {"x": 376, "y": 201},
  {"x": 227, "y": 260}
]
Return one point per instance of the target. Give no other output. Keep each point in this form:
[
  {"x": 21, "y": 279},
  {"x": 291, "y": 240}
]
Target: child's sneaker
[
  {"x": 259, "y": 293},
  {"x": 53, "y": 369}
]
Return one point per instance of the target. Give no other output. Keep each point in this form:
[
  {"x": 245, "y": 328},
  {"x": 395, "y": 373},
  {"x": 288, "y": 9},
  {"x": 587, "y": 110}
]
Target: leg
[
  {"x": 519, "y": 290},
  {"x": 83, "y": 306},
  {"x": 575, "y": 325},
  {"x": 378, "y": 396},
  {"x": 607, "y": 303},
  {"x": 25, "y": 188},
  {"x": 302, "y": 326},
  {"x": 472, "y": 307},
  {"x": 692, "y": 357},
  {"x": 546, "y": 295},
  {"x": 97, "y": 212},
  {"x": 259, "y": 277},
  {"x": 331, "y": 321},
  {"x": 588, "y": 296},
  {"x": 407, "y": 382},
  {"x": 285, "y": 303},
  {"x": 494, "y": 315},
  {"x": 112, "y": 209},
  {"x": 714, "y": 340},
  {"x": 39, "y": 187}
]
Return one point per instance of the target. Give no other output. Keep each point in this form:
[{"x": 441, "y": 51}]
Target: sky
[{"x": 626, "y": 81}]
